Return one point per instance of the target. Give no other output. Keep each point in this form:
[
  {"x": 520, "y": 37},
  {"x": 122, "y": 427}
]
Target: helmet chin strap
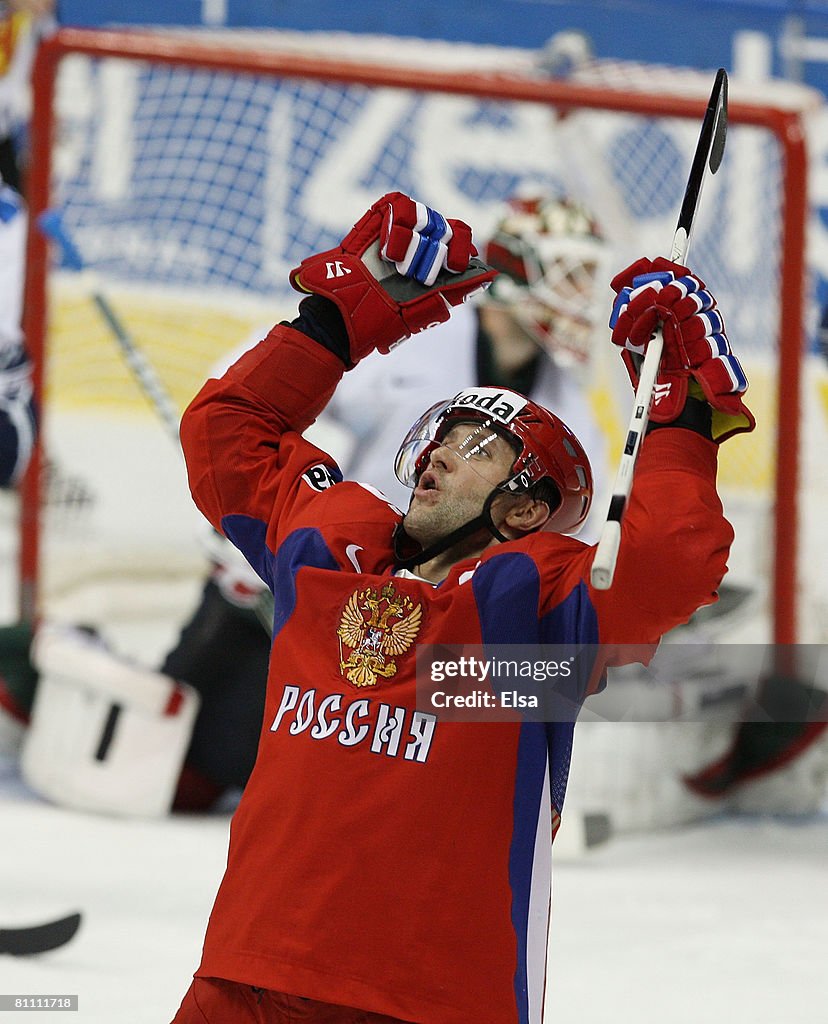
[{"x": 483, "y": 521}]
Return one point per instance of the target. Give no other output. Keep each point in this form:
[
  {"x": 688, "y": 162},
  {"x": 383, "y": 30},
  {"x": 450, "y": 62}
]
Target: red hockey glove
[
  {"x": 697, "y": 358},
  {"x": 436, "y": 269}
]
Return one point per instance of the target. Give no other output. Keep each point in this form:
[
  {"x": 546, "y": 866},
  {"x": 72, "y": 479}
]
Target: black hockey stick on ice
[
  {"x": 39, "y": 938},
  {"x": 709, "y": 151},
  {"x": 52, "y": 225}
]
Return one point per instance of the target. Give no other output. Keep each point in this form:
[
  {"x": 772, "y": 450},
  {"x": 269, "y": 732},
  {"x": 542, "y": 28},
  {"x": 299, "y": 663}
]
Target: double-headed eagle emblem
[{"x": 377, "y": 626}]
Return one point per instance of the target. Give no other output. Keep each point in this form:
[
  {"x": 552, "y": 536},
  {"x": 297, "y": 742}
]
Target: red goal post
[{"x": 345, "y": 88}]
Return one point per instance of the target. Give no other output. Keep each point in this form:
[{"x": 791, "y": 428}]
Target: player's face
[{"x": 460, "y": 475}]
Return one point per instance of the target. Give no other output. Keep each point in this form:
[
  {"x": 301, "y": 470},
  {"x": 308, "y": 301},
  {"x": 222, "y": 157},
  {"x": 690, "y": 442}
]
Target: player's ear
[{"x": 526, "y": 515}]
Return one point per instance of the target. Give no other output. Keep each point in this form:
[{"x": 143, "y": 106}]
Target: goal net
[{"x": 194, "y": 171}]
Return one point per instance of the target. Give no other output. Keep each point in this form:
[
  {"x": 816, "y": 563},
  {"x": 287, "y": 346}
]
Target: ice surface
[{"x": 721, "y": 922}]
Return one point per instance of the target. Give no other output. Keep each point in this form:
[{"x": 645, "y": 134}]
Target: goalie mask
[
  {"x": 549, "y": 463},
  {"x": 549, "y": 253}
]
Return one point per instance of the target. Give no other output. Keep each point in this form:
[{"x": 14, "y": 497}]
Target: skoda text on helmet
[
  {"x": 549, "y": 463},
  {"x": 549, "y": 252}
]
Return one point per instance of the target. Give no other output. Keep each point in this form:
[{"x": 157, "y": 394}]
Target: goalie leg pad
[{"x": 106, "y": 736}]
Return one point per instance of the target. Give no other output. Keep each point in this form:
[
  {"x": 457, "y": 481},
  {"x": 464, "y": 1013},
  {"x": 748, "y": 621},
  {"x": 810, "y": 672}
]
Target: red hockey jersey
[{"x": 380, "y": 857}]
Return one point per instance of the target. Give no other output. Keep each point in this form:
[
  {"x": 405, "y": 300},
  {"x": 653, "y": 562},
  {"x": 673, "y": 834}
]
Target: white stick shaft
[{"x": 606, "y": 554}]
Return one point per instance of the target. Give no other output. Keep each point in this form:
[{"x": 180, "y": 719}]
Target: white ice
[{"x": 721, "y": 922}]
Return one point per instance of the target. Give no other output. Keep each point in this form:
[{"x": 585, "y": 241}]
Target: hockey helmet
[
  {"x": 546, "y": 450},
  {"x": 549, "y": 252}
]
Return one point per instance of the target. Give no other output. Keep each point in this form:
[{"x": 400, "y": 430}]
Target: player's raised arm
[
  {"x": 675, "y": 541},
  {"x": 401, "y": 269}
]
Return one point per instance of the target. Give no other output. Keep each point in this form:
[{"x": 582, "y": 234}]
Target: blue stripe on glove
[{"x": 429, "y": 249}]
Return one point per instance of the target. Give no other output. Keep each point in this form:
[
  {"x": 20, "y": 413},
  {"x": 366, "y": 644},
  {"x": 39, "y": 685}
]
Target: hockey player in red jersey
[{"x": 384, "y": 864}]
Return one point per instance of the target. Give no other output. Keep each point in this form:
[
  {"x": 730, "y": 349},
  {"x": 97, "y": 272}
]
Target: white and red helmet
[
  {"x": 550, "y": 252},
  {"x": 545, "y": 449}
]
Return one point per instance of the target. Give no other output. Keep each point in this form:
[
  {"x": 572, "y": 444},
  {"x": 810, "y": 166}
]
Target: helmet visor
[
  {"x": 418, "y": 443},
  {"x": 486, "y": 410}
]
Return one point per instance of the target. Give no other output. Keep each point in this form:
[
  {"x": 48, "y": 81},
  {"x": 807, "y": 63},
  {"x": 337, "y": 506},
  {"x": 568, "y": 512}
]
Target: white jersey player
[{"x": 17, "y": 416}]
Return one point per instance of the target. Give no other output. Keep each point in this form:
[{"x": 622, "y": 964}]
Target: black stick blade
[
  {"x": 39, "y": 938},
  {"x": 720, "y": 130},
  {"x": 709, "y": 152}
]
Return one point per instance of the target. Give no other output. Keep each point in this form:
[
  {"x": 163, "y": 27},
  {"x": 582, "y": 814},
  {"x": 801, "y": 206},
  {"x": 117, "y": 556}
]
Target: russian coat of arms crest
[{"x": 377, "y": 626}]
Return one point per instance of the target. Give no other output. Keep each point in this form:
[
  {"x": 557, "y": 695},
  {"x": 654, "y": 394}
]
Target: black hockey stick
[
  {"x": 709, "y": 151},
  {"x": 39, "y": 938},
  {"x": 52, "y": 225}
]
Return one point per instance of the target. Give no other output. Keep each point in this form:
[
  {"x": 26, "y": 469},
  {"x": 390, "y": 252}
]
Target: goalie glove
[
  {"x": 436, "y": 269},
  {"x": 697, "y": 359}
]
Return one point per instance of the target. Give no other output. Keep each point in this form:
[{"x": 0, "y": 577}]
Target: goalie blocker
[{"x": 106, "y": 735}]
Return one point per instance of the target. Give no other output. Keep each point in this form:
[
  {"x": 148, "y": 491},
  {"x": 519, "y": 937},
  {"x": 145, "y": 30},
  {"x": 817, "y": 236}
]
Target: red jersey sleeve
[
  {"x": 675, "y": 541},
  {"x": 242, "y": 442},
  {"x": 674, "y": 545}
]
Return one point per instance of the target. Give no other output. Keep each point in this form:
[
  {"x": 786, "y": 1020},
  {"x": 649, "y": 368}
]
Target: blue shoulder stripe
[{"x": 305, "y": 546}]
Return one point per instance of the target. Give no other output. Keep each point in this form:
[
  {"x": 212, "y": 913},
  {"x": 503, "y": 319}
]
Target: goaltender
[{"x": 385, "y": 865}]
